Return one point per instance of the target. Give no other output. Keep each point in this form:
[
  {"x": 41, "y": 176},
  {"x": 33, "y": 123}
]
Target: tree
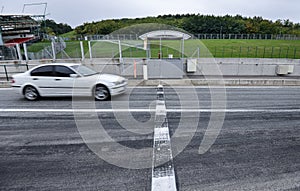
[
  {"x": 56, "y": 29},
  {"x": 197, "y": 23}
]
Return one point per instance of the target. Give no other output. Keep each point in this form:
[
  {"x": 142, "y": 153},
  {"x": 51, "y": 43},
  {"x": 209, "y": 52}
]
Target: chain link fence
[
  {"x": 130, "y": 48},
  {"x": 8, "y": 53},
  {"x": 197, "y": 36}
]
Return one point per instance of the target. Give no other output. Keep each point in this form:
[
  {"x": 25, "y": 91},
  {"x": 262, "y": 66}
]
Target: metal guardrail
[{"x": 6, "y": 73}]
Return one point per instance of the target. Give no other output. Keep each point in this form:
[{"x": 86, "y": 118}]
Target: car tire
[
  {"x": 31, "y": 93},
  {"x": 101, "y": 93}
]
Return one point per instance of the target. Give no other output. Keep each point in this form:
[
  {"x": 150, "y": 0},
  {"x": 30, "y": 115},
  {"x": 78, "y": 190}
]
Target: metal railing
[{"x": 9, "y": 69}]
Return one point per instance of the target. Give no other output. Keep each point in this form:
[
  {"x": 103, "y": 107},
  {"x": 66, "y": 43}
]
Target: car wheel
[
  {"x": 31, "y": 93},
  {"x": 101, "y": 93}
]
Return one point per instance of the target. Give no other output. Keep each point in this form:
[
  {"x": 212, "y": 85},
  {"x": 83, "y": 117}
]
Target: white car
[{"x": 67, "y": 79}]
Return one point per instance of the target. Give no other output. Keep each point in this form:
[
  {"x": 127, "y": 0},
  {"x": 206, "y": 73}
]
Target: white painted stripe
[
  {"x": 234, "y": 110},
  {"x": 233, "y": 87},
  {"x": 163, "y": 177},
  {"x": 75, "y": 110},
  {"x": 162, "y": 134},
  {"x": 148, "y": 110},
  {"x": 162, "y": 183},
  {"x": 5, "y": 89}
]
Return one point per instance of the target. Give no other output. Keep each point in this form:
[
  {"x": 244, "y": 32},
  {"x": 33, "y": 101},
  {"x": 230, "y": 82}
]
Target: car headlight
[
  {"x": 119, "y": 82},
  {"x": 116, "y": 83}
]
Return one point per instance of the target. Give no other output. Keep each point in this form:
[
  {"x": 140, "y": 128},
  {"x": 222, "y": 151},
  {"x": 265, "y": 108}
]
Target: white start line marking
[{"x": 163, "y": 175}]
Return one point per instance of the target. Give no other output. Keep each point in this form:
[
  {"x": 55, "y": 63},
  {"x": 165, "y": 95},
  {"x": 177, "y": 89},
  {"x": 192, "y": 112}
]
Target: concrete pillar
[
  {"x": 19, "y": 51},
  {"x": 25, "y": 52}
]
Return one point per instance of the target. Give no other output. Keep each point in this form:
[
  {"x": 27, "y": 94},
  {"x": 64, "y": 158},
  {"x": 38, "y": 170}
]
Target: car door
[
  {"x": 63, "y": 82},
  {"x": 42, "y": 77}
]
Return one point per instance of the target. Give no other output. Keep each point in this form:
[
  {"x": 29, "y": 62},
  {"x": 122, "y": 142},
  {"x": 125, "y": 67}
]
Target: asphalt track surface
[{"x": 258, "y": 147}]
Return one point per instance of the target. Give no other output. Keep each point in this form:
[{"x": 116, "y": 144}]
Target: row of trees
[
  {"x": 52, "y": 28},
  {"x": 196, "y": 24}
]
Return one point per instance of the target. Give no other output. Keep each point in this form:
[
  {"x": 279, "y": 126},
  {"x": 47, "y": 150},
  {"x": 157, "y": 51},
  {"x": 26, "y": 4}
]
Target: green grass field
[
  {"x": 38, "y": 46},
  {"x": 192, "y": 48},
  {"x": 254, "y": 48}
]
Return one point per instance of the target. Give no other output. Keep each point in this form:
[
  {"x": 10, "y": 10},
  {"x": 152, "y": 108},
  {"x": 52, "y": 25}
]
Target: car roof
[{"x": 61, "y": 64}]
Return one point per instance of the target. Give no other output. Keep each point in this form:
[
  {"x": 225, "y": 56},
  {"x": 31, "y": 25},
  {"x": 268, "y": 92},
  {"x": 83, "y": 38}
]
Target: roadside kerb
[
  {"x": 204, "y": 82},
  {"x": 215, "y": 82}
]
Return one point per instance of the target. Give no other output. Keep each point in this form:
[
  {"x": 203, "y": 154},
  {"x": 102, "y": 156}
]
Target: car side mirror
[{"x": 73, "y": 75}]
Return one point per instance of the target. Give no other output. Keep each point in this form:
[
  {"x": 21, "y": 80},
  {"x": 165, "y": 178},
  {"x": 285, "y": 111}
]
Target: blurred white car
[{"x": 67, "y": 79}]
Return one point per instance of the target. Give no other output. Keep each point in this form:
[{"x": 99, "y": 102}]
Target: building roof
[
  {"x": 165, "y": 34},
  {"x": 10, "y": 22}
]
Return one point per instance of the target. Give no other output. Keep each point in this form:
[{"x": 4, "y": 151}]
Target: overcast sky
[{"x": 77, "y": 12}]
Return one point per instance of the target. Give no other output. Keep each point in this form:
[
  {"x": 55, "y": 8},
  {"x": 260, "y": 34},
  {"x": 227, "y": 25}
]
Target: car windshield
[{"x": 83, "y": 70}]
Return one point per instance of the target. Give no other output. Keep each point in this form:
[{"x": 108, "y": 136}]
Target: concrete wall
[
  {"x": 208, "y": 66},
  {"x": 246, "y": 66}
]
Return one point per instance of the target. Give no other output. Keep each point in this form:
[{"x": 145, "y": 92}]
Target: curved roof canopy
[{"x": 165, "y": 34}]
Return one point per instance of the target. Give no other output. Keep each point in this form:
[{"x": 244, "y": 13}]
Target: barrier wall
[{"x": 131, "y": 68}]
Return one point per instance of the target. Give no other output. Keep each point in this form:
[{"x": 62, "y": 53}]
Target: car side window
[
  {"x": 43, "y": 71},
  {"x": 63, "y": 71}
]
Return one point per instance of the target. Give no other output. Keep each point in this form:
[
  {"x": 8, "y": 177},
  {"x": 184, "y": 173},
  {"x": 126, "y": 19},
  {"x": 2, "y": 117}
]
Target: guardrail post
[{"x": 6, "y": 74}]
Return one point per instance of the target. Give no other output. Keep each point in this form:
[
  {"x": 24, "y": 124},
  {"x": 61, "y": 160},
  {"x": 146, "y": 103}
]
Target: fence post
[
  {"x": 287, "y": 52},
  {"x": 120, "y": 51},
  {"x": 53, "y": 51},
  {"x": 256, "y": 52},
  {"x": 182, "y": 48},
  {"x": 90, "y": 50},
  {"x": 130, "y": 51},
  {"x": 248, "y": 50},
  {"x": 272, "y": 52},
  {"x": 82, "y": 51},
  {"x": 279, "y": 52},
  {"x": 223, "y": 51},
  {"x": 295, "y": 50},
  {"x": 215, "y": 51}
]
